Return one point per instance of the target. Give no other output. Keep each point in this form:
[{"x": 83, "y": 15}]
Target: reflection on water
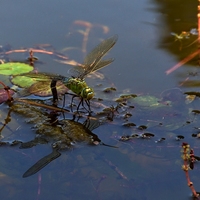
[
  {"x": 139, "y": 168},
  {"x": 183, "y": 42}
]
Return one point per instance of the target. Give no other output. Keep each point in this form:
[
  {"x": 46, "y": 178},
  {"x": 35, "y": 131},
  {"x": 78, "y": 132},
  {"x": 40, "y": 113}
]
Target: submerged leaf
[
  {"x": 125, "y": 97},
  {"x": 13, "y": 68},
  {"x": 147, "y": 101}
]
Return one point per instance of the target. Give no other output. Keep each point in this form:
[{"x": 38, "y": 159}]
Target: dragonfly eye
[{"x": 87, "y": 93}]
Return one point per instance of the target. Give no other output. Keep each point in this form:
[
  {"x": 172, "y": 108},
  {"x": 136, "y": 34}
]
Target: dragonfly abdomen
[{"x": 80, "y": 88}]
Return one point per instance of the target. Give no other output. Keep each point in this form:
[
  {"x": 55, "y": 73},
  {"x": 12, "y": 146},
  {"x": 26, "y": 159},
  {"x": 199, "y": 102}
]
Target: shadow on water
[{"x": 69, "y": 158}]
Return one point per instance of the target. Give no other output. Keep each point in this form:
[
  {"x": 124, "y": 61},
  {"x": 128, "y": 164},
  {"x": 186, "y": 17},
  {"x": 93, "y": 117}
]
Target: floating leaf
[
  {"x": 28, "y": 79},
  {"x": 127, "y": 115},
  {"x": 147, "y": 135},
  {"x": 193, "y": 93},
  {"x": 125, "y": 137},
  {"x": 23, "y": 81},
  {"x": 179, "y": 137},
  {"x": 4, "y": 95},
  {"x": 142, "y": 127},
  {"x": 109, "y": 89},
  {"x": 129, "y": 124},
  {"x": 13, "y": 68},
  {"x": 196, "y": 111}
]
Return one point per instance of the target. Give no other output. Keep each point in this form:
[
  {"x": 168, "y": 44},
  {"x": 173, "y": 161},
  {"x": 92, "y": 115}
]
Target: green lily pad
[
  {"x": 28, "y": 79},
  {"x": 23, "y": 81},
  {"x": 13, "y": 68}
]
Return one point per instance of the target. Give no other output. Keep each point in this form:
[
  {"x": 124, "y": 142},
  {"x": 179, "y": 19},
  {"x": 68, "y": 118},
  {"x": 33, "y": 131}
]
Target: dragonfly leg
[
  {"x": 73, "y": 96},
  {"x": 54, "y": 91},
  {"x": 81, "y": 102},
  {"x": 88, "y": 104},
  {"x": 63, "y": 102}
]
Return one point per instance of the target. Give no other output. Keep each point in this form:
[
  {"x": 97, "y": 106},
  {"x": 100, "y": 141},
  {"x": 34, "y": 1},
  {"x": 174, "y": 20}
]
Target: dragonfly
[{"x": 77, "y": 84}]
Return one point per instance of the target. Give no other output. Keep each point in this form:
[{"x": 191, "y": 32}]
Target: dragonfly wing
[
  {"x": 38, "y": 83},
  {"x": 42, "y": 163},
  {"x": 94, "y": 57},
  {"x": 42, "y": 76},
  {"x": 24, "y": 92},
  {"x": 102, "y": 63}
]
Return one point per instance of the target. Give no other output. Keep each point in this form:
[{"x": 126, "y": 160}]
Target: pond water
[{"x": 147, "y": 47}]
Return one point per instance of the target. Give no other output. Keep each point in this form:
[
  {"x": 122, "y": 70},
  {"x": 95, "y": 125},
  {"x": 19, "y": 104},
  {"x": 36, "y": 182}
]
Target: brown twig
[
  {"x": 6, "y": 88},
  {"x": 35, "y": 51},
  {"x": 41, "y": 105}
]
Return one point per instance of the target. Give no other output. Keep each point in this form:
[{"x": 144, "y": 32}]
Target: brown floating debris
[
  {"x": 196, "y": 111},
  {"x": 129, "y": 124},
  {"x": 193, "y": 93},
  {"x": 110, "y": 89}
]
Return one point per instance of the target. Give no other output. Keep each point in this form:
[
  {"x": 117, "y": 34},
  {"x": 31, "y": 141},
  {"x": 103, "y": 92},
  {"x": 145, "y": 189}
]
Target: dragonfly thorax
[{"x": 80, "y": 87}]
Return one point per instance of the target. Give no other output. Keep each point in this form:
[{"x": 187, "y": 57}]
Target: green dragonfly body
[
  {"x": 92, "y": 63},
  {"x": 80, "y": 87}
]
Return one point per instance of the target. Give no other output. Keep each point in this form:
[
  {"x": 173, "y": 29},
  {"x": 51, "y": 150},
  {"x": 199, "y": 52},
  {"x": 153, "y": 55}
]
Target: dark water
[{"x": 139, "y": 168}]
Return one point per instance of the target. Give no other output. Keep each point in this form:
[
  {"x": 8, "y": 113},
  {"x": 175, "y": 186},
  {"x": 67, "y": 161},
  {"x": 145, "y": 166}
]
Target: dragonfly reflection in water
[
  {"x": 85, "y": 135},
  {"x": 62, "y": 134},
  {"x": 77, "y": 85}
]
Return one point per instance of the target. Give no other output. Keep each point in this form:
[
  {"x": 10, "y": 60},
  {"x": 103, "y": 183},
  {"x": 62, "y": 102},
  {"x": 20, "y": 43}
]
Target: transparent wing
[
  {"x": 38, "y": 83},
  {"x": 40, "y": 76},
  {"x": 80, "y": 70},
  {"x": 92, "y": 60},
  {"x": 102, "y": 63}
]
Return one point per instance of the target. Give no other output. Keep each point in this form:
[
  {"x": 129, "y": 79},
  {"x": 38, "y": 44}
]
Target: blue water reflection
[{"x": 138, "y": 169}]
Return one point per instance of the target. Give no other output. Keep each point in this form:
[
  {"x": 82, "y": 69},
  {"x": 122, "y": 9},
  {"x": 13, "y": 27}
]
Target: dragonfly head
[{"x": 87, "y": 93}]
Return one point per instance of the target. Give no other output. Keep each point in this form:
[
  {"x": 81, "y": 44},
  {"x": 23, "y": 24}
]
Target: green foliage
[
  {"x": 23, "y": 81},
  {"x": 14, "y": 68}
]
